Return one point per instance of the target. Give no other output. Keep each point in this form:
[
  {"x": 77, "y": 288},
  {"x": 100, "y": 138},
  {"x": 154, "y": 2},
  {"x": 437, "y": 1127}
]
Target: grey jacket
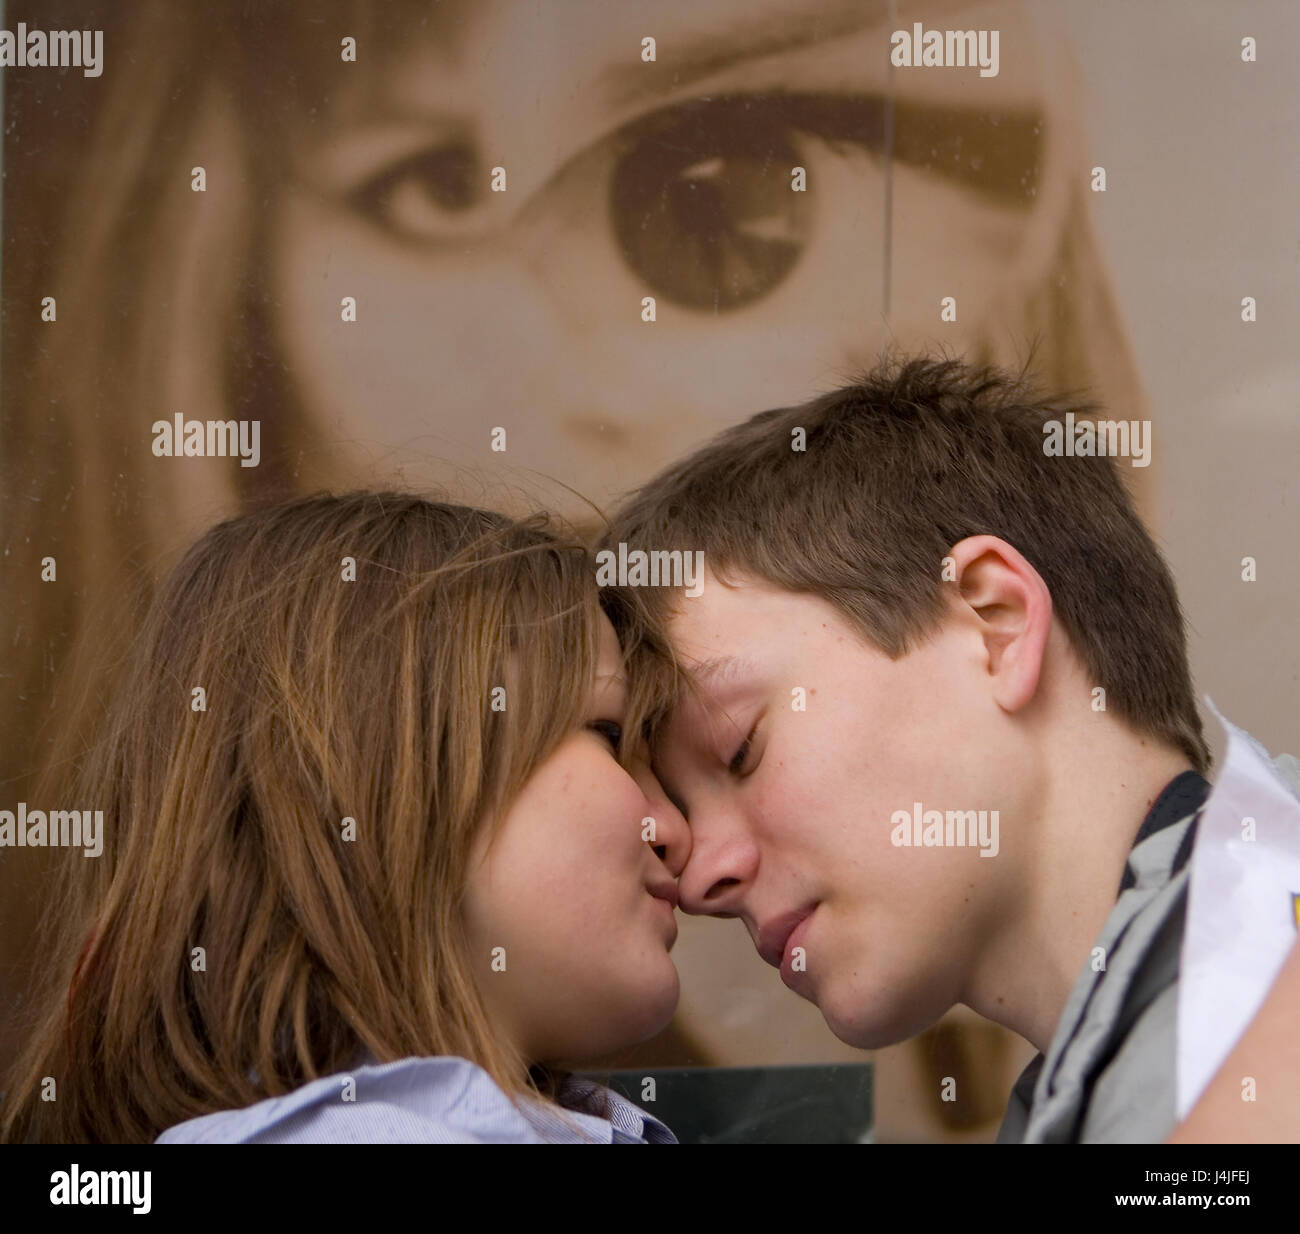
[{"x": 1108, "y": 1075}]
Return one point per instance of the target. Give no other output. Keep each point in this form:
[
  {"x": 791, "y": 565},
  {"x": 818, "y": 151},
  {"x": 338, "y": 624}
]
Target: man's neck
[{"x": 1068, "y": 878}]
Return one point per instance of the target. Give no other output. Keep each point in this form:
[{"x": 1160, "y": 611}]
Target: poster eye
[
  {"x": 702, "y": 207},
  {"x": 415, "y": 197}
]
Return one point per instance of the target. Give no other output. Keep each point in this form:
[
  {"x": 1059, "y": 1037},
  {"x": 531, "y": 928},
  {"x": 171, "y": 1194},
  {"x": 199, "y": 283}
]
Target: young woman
[{"x": 377, "y": 858}]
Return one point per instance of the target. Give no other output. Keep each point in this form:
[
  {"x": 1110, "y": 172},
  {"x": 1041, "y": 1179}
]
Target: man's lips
[{"x": 774, "y": 934}]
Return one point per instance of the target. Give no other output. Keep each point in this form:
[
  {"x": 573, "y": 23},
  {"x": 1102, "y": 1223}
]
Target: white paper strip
[{"x": 1241, "y": 909}]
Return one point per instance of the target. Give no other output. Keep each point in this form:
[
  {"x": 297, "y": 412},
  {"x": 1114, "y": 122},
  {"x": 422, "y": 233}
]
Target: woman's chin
[
  {"x": 664, "y": 1003},
  {"x": 653, "y": 1008},
  {"x": 646, "y": 1013}
]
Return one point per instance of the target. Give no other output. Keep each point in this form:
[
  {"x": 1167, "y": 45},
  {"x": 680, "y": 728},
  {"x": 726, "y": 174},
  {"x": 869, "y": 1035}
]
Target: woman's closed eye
[{"x": 611, "y": 730}]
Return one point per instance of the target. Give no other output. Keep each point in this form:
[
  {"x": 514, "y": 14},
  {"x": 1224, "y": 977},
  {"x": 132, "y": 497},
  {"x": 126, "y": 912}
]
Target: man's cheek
[{"x": 796, "y": 804}]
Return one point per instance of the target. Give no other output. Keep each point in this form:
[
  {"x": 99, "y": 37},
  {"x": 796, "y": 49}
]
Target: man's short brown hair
[{"x": 895, "y": 469}]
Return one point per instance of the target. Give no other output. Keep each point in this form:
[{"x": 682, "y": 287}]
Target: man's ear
[{"x": 1014, "y": 608}]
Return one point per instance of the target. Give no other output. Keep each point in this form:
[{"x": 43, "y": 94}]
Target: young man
[{"x": 937, "y": 742}]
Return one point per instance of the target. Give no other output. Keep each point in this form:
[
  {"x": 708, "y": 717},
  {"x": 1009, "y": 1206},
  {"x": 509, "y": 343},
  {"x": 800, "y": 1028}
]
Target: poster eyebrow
[{"x": 749, "y": 39}]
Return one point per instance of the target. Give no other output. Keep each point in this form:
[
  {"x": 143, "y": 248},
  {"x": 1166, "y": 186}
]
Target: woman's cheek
[{"x": 634, "y": 819}]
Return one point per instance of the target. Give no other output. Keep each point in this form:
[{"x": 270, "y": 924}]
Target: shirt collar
[
  {"x": 628, "y": 1122},
  {"x": 1184, "y": 795}
]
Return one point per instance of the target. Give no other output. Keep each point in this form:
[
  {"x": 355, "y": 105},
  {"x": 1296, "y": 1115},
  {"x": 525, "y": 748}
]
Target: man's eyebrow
[
  {"x": 715, "y": 671},
  {"x": 749, "y": 39}
]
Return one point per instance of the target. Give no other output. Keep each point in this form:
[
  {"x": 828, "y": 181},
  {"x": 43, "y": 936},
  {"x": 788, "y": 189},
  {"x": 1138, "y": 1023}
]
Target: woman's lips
[
  {"x": 665, "y": 891},
  {"x": 665, "y": 905}
]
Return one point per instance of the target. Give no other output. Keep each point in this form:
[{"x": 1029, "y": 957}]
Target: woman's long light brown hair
[{"x": 326, "y": 699}]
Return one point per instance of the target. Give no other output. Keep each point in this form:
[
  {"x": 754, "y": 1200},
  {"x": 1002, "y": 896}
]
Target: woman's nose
[{"x": 670, "y": 834}]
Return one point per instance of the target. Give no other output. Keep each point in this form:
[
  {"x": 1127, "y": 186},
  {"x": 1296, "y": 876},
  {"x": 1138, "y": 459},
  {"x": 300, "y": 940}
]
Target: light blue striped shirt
[{"x": 443, "y": 1100}]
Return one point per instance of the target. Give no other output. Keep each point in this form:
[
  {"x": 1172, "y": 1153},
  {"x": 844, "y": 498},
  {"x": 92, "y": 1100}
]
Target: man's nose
[{"x": 722, "y": 865}]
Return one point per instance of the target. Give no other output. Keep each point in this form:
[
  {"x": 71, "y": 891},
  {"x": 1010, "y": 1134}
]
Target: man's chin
[{"x": 871, "y": 1028}]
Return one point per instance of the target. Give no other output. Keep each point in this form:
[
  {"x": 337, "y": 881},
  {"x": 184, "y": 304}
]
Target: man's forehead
[{"x": 732, "y": 617}]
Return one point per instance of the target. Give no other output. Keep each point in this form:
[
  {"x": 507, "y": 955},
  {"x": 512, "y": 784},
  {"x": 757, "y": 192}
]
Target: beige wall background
[{"x": 1203, "y": 159}]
